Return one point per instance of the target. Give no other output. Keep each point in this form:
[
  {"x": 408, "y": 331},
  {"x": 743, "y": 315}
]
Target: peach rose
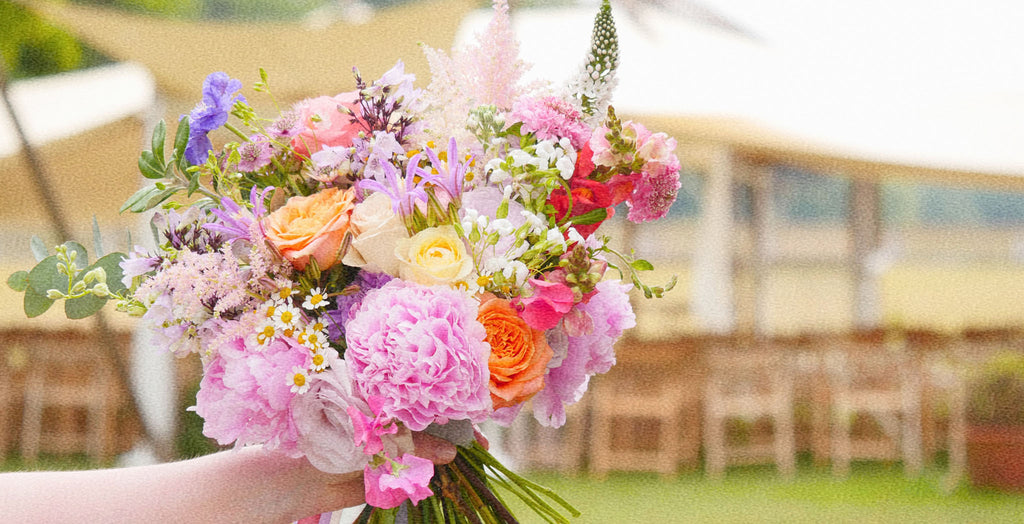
[
  {"x": 311, "y": 226},
  {"x": 433, "y": 256},
  {"x": 377, "y": 230},
  {"x": 519, "y": 354},
  {"x": 324, "y": 124}
]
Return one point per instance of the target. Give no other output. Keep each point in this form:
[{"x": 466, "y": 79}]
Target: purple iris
[{"x": 219, "y": 95}]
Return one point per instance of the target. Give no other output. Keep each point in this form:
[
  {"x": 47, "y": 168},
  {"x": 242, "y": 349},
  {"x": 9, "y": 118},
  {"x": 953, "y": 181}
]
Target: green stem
[{"x": 231, "y": 127}]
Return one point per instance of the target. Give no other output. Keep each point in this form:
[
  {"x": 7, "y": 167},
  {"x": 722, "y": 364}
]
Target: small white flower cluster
[
  {"x": 280, "y": 318},
  {"x": 547, "y": 156}
]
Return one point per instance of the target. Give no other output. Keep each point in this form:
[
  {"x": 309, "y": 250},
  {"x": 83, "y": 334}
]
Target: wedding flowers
[{"x": 311, "y": 227}]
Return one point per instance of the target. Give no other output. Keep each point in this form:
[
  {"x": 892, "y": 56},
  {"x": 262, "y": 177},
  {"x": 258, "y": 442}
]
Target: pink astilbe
[
  {"x": 489, "y": 73},
  {"x": 551, "y": 117}
]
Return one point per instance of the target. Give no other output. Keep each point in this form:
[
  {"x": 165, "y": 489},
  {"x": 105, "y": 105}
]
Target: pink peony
[
  {"x": 245, "y": 396},
  {"x": 586, "y": 355},
  {"x": 393, "y": 482},
  {"x": 421, "y": 349},
  {"x": 548, "y": 304},
  {"x": 326, "y": 433},
  {"x": 551, "y": 117},
  {"x": 323, "y": 123}
]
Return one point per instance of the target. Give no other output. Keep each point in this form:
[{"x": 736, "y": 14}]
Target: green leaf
[
  {"x": 38, "y": 248},
  {"x": 81, "y": 254},
  {"x": 159, "y": 137},
  {"x": 111, "y": 264},
  {"x": 45, "y": 277},
  {"x": 18, "y": 281},
  {"x": 180, "y": 142},
  {"x": 97, "y": 239},
  {"x": 641, "y": 265},
  {"x": 83, "y": 307},
  {"x": 150, "y": 167},
  {"x": 591, "y": 217},
  {"x": 35, "y": 304}
]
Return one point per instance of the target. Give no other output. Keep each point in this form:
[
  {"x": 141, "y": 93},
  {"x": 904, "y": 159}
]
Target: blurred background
[{"x": 849, "y": 239}]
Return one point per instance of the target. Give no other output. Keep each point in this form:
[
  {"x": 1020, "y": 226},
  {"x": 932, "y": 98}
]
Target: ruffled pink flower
[
  {"x": 422, "y": 350},
  {"x": 654, "y": 194},
  {"x": 395, "y": 481},
  {"x": 551, "y": 117},
  {"x": 245, "y": 398},
  {"x": 586, "y": 355},
  {"x": 549, "y": 302},
  {"x": 324, "y": 124}
]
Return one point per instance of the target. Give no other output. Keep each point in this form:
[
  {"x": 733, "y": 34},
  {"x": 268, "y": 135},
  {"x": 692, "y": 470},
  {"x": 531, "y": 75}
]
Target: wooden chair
[
  {"x": 873, "y": 375},
  {"x": 536, "y": 447},
  {"x": 70, "y": 400},
  {"x": 645, "y": 411},
  {"x": 748, "y": 381}
]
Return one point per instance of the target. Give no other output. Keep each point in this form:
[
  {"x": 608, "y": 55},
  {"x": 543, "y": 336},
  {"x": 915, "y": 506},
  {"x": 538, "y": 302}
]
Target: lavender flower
[
  {"x": 403, "y": 192},
  {"x": 452, "y": 173},
  {"x": 218, "y": 98},
  {"x": 234, "y": 221}
]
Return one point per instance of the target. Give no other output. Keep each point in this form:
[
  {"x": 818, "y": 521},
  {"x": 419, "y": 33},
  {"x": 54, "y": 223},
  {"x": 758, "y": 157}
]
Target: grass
[{"x": 873, "y": 493}]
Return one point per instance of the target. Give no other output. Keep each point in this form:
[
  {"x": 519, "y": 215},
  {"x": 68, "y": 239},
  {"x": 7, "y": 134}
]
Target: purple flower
[
  {"x": 255, "y": 154},
  {"x": 346, "y": 305},
  {"x": 403, "y": 191},
  {"x": 452, "y": 173},
  {"x": 137, "y": 263},
  {"x": 218, "y": 97},
  {"x": 422, "y": 350},
  {"x": 234, "y": 221}
]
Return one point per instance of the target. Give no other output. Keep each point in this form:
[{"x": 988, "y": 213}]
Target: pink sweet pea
[
  {"x": 395, "y": 481},
  {"x": 549, "y": 302},
  {"x": 368, "y": 431}
]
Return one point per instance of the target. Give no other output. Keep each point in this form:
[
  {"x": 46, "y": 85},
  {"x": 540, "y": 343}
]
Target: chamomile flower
[
  {"x": 265, "y": 333},
  {"x": 287, "y": 316},
  {"x": 316, "y": 299},
  {"x": 319, "y": 361},
  {"x": 299, "y": 380}
]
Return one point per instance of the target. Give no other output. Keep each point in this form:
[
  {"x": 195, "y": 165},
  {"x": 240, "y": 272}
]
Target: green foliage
[
  {"x": 31, "y": 47},
  {"x": 996, "y": 391},
  {"x": 67, "y": 275}
]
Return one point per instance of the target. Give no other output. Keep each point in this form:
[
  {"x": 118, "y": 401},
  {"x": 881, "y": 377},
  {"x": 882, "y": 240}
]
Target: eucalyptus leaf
[
  {"x": 83, "y": 307},
  {"x": 18, "y": 281},
  {"x": 45, "y": 277},
  {"x": 159, "y": 137},
  {"x": 111, "y": 264},
  {"x": 35, "y": 304},
  {"x": 38, "y": 247}
]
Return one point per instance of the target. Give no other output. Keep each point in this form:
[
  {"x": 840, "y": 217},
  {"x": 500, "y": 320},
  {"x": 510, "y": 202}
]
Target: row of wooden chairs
[{"x": 869, "y": 395}]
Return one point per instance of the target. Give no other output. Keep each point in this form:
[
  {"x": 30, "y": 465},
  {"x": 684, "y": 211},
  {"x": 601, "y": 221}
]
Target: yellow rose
[
  {"x": 376, "y": 229},
  {"x": 433, "y": 256},
  {"x": 311, "y": 226}
]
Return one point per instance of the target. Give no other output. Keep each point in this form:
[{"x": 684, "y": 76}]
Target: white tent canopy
[{"x": 54, "y": 107}]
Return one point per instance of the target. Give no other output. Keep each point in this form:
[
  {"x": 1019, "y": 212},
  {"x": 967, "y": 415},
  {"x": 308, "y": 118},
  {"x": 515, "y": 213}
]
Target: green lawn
[{"x": 872, "y": 494}]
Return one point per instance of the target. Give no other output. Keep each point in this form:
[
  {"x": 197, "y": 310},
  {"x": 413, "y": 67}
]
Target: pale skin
[{"x": 250, "y": 485}]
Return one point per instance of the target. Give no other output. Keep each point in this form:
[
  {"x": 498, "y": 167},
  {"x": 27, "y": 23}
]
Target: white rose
[{"x": 376, "y": 231}]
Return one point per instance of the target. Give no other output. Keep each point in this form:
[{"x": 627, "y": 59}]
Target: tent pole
[{"x": 54, "y": 211}]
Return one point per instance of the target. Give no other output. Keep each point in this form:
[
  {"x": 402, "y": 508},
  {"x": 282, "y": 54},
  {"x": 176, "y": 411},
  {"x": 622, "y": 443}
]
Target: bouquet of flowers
[{"x": 391, "y": 260}]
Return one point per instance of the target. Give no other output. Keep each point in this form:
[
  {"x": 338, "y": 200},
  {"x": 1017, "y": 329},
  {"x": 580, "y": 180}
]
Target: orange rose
[
  {"x": 519, "y": 353},
  {"x": 311, "y": 226}
]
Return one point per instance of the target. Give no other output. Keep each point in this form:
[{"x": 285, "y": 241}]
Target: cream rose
[
  {"x": 376, "y": 231},
  {"x": 433, "y": 256},
  {"x": 311, "y": 226}
]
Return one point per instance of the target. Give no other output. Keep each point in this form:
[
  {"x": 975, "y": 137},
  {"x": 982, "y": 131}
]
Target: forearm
[{"x": 250, "y": 485}]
